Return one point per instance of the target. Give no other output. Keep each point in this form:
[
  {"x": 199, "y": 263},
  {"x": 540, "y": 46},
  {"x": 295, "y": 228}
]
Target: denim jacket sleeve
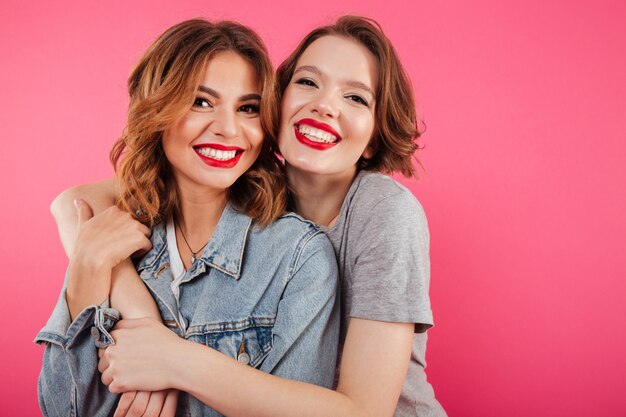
[
  {"x": 306, "y": 332},
  {"x": 69, "y": 381}
]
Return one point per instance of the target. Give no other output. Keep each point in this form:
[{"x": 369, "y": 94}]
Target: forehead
[
  {"x": 230, "y": 71},
  {"x": 341, "y": 58}
]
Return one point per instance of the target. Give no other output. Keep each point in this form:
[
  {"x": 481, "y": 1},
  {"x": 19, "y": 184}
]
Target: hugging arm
[
  {"x": 91, "y": 279},
  {"x": 126, "y": 291},
  {"x": 374, "y": 365},
  {"x": 377, "y": 347},
  {"x": 375, "y": 360}
]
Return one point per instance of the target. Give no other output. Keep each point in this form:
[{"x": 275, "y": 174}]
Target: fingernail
[{"x": 78, "y": 202}]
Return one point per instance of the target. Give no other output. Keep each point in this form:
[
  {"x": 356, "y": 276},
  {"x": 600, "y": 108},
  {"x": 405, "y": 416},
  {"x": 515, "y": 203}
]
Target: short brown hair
[
  {"x": 395, "y": 134},
  {"x": 162, "y": 88}
]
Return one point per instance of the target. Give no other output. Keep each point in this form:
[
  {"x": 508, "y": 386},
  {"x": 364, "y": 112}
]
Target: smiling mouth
[
  {"x": 316, "y": 135},
  {"x": 218, "y": 155}
]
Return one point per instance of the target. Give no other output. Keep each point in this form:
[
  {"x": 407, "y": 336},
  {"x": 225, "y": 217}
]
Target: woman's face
[
  {"x": 220, "y": 136},
  {"x": 328, "y": 108}
]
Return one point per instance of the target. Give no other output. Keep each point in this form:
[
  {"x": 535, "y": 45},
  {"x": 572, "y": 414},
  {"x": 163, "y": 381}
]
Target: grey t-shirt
[{"x": 381, "y": 241}]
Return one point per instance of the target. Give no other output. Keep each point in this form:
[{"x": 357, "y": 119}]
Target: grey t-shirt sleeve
[{"x": 391, "y": 271}]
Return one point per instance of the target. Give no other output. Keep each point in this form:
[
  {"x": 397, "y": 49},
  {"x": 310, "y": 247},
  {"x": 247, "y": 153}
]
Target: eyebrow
[
  {"x": 310, "y": 68},
  {"x": 363, "y": 86},
  {"x": 212, "y": 92},
  {"x": 351, "y": 83}
]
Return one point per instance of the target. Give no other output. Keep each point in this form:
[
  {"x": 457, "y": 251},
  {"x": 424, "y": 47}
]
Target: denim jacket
[{"x": 264, "y": 296}]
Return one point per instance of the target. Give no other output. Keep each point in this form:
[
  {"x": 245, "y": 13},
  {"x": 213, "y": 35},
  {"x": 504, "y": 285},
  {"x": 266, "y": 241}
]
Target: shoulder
[
  {"x": 292, "y": 232},
  {"x": 388, "y": 237},
  {"x": 296, "y": 246},
  {"x": 289, "y": 225},
  {"x": 99, "y": 195},
  {"x": 292, "y": 220},
  {"x": 380, "y": 200}
]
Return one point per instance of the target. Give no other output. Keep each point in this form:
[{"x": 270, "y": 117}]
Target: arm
[
  {"x": 127, "y": 292},
  {"x": 69, "y": 383},
  {"x": 390, "y": 277},
  {"x": 148, "y": 356},
  {"x": 99, "y": 195},
  {"x": 69, "y": 380},
  {"x": 122, "y": 284},
  {"x": 375, "y": 360},
  {"x": 102, "y": 243}
]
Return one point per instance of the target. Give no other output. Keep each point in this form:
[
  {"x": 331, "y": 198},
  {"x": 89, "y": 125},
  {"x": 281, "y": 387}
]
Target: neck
[
  {"x": 319, "y": 197},
  {"x": 198, "y": 213}
]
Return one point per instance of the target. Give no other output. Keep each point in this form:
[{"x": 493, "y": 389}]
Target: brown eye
[
  {"x": 202, "y": 102},
  {"x": 250, "y": 108},
  {"x": 307, "y": 82},
  {"x": 358, "y": 99}
]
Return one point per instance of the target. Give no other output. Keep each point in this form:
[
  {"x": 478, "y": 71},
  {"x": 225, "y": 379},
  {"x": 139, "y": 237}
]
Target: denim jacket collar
[{"x": 224, "y": 251}]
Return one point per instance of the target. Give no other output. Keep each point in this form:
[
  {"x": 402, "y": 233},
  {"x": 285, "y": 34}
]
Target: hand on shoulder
[{"x": 106, "y": 239}]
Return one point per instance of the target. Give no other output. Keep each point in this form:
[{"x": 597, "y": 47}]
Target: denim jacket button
[{"x": 244, "y": 358}]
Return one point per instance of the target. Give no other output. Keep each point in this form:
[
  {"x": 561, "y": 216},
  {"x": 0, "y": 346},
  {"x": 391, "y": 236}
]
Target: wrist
[
  {"x": 182, "y": 357},
  {"x": 86, "y": 286},
  {"x": 87, "y": 265}
]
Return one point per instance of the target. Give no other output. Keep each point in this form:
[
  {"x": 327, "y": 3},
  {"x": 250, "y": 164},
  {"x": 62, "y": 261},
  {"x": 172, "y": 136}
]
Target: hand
[
  {"x": 142, "y": 358},
  {"x": 104, "y": 240},
  {"x": 145, "y": 403}
]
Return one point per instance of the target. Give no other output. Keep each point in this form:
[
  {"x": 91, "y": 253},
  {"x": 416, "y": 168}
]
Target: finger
[
  {"x": 141, "y": 243},
  {"x": 84, "y": 210},
  {"x": 155, "y": 404},
  {"x": 139, "y": 253},
  {"x": 138, "y": 407},
  {"x": 144, "y": 245},
  {"x": 145, "y": 229},
  {"x": 126, "y": 399},
  {"x": 103, "y": 363},
  {"x": 169, "y": 407},
  {"x": 106, "y": 378}
]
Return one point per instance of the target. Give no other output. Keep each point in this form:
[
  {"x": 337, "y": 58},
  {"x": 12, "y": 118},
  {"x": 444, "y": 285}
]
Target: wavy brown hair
[
  {"x": 394, "y": 141},
  {"x": 162, "y": 89}
]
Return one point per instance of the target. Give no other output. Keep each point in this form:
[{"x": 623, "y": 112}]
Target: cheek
[
  {"x": 185, "y": 129},
  {"x": 290, "y": 103},
  {"x": 254, "y": 133},
  {"x": 361, "y": 128},
  {"x": 166, "y": 142},
  {"x": 366, "y": 126}
]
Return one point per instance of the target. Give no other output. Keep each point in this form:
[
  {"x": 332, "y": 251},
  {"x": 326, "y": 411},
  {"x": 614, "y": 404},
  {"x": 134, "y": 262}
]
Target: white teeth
[
  {"x": 316, "y": 135},
  {"x": 217, "y": 154}
]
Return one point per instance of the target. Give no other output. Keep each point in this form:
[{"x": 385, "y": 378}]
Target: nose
[
  {"x": 326, "y": 104},
  {"x": 225, "y": 123}
]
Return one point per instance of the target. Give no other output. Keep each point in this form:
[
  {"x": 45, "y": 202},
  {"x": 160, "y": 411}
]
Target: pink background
[{"x": 525, "y": 162}]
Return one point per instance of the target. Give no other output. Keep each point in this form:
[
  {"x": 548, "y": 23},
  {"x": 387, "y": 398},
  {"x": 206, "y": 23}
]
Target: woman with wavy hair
[
  {"x": 347, "y": 117},
  {"x": 201, "y": 194}
]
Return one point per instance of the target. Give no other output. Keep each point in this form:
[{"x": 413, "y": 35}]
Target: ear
[
  {"x": 369, "y": 152},
  {"x": 371, "y": 149}
]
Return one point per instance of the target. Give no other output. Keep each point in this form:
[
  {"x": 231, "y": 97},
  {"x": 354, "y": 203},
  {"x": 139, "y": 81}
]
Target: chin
[{"x": 306, "y": 165}]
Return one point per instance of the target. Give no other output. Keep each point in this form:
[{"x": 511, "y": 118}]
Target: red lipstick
[
  {"x": 229, "y": 163},
  {"x": 317, "y": 125}
]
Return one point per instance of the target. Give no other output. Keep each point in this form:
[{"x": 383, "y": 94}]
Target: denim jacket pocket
[{"x": 249, "y": 344}]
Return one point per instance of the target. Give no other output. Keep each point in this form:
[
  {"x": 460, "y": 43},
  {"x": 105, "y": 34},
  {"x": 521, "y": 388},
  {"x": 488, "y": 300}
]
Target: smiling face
[
  {"x": 328, "y": 108},
  {"x": 220, "y": 136}
]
